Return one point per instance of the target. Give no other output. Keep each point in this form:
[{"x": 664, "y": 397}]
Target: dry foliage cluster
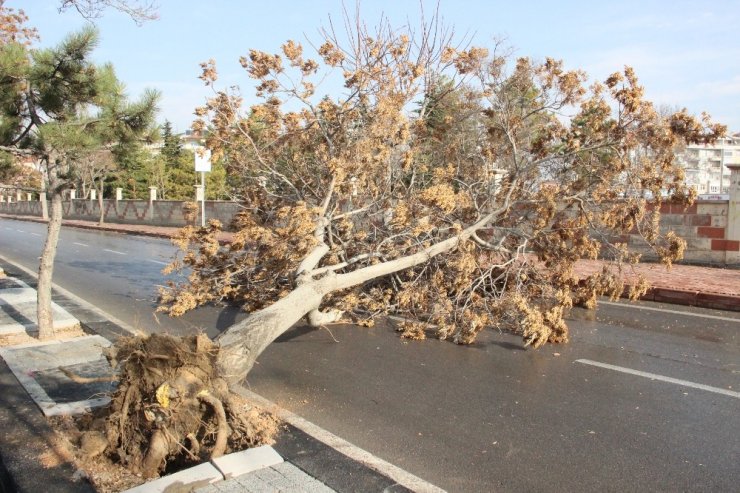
[{"x": 448, "y": 183}]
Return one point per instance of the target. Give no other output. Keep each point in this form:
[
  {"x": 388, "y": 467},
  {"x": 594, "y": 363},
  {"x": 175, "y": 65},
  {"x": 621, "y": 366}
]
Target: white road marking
[
  {"x": 80, "y": 244},
  {"x": 400, "y": 476},
  {"x": 113, "y": 251},
  {"x": 156, "y": 262},
  {"x": 675, "y": 312},
  {"x": 654, "y": 376},
  {"x": 20, "y": 230}
]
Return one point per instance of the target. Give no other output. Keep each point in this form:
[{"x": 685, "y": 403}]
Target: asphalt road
[{"x": 644, "y": 398}]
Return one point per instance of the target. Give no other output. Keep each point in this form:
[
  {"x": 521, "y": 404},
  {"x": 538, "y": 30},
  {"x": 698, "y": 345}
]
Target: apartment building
[{"x": 706, "y": 165}]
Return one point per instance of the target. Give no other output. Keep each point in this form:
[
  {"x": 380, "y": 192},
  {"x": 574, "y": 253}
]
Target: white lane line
[
  {"x": 654, "y": 376},
  {"x": 80, "y": 244},
  {"x": 113, "y": 251},
  {"x": 35, "y": 234},
  {"x": 20, "y": 230},
  {"x": 675, "y": 312},
  {"x": 156, "y": 262}
]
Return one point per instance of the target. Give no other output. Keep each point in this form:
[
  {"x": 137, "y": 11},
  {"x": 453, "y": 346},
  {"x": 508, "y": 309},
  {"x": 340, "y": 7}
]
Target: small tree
[
  {"x": 93, "y": 167},
  {"x": 59, "y": 105},
  {"x": 444, "y": 184}
]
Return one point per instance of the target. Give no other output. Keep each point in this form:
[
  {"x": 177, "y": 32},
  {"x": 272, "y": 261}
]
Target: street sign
[{"x": 203, "y": 160}]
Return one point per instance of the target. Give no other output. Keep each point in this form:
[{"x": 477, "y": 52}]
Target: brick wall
[{"x": 704, "y": 227}]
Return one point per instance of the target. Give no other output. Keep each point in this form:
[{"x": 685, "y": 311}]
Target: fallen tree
[{"x": 442, "y": 182}]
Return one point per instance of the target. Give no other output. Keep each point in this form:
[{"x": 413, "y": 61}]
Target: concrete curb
[
  {"x": 187, "y": 480},
  {"x": 693, "y": 298}
]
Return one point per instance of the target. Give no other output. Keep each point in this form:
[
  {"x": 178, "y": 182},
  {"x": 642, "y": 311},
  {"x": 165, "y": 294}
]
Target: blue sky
[{"x": 686, "y": 53}]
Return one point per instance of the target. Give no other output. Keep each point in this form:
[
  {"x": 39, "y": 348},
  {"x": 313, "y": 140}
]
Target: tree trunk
[
  {"x": 101, "y": 205},
  {"x": 44, "y": 203},
  {"x": 243, "y": 342},
  {"x": 46, "y": 267}
]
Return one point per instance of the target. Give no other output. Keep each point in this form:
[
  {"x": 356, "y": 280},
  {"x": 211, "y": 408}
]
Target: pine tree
[{"x": 58, "y": 106}]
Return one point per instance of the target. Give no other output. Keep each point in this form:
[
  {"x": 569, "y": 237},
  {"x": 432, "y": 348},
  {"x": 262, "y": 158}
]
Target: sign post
[{"x": 202, "y": 165}]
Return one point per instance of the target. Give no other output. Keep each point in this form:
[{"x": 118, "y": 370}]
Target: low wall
[
  {"x": 704, "y": 226},
  {"x": 155, "y": 213}
]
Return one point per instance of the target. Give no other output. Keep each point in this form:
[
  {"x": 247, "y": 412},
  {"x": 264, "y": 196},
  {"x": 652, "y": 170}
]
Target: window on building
[{"x": 713, "y": 188}]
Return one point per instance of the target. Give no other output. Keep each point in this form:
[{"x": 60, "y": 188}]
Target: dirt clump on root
[{"x": 171, "y": 410}]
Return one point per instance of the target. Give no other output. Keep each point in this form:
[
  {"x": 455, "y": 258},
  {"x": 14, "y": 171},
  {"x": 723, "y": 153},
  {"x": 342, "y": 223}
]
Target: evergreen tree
[
  {"x": 57, "y": 105},
  {"x": 178, "y": 164}
]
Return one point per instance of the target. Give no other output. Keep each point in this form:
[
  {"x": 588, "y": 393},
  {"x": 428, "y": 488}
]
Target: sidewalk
[
  {"x": 705, "y": 287},
  {"x": 32, "y": 380}
]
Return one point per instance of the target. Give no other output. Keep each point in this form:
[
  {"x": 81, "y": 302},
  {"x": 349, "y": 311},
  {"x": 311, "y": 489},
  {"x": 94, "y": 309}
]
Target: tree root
[
  {"x": 172, "y": 408},
  {"x": 159, "y": 448},
  {"x": 219, "y": 448}
]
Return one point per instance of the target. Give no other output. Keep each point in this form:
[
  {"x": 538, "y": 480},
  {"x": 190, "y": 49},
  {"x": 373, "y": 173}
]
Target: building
[
  {"x": 191, "y": 141},
  {"x": 706, "y": 165}
]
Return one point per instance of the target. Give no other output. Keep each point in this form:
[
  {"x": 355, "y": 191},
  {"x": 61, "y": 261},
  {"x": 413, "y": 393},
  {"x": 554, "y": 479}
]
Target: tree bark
[
  {"x": 101, "y": 205},
  {"x": 43, "y": 200},
  {"x": 46, "y": 267},
  {"x": 243, "y": 342}
]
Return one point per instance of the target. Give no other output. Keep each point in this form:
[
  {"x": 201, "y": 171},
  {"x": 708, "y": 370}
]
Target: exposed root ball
[{"x": 172, "y": 407}]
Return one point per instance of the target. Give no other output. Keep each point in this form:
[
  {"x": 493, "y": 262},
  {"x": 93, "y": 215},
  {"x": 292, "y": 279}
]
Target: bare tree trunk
[
  {"x": 101, "y": 205},
  {"x": 46, "y": 266},
  {"x": 243, "y": 342}
]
